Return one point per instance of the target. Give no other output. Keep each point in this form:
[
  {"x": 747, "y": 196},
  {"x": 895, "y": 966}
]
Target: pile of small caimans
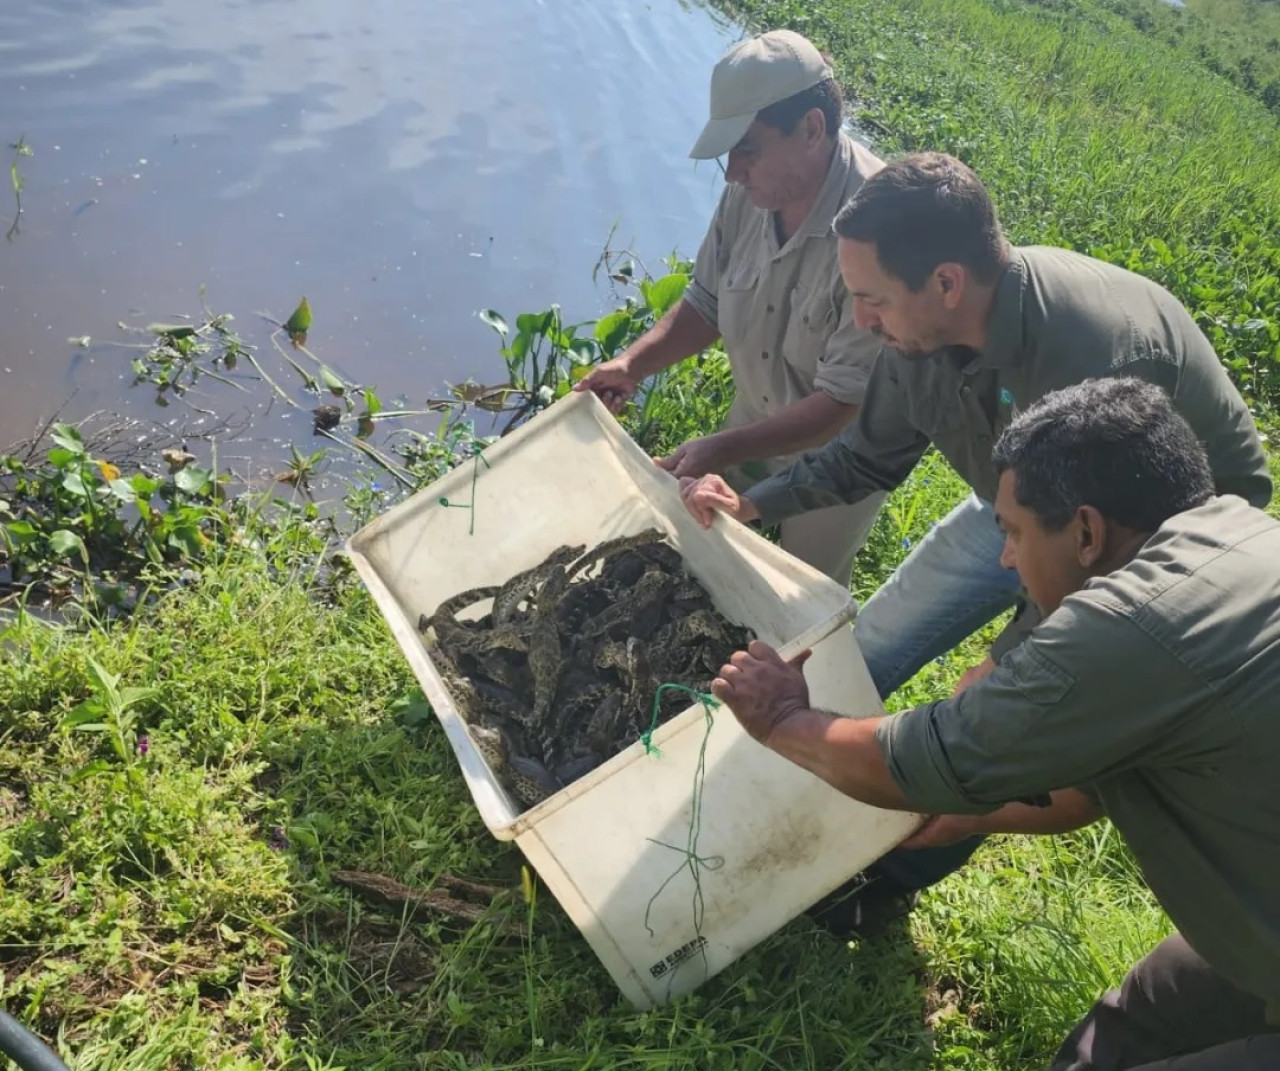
[{"x": 561, "y": 672}]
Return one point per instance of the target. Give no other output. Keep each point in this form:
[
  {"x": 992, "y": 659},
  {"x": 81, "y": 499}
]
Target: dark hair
[
  {"x": 825, "y": 96},
  {"x": 924, "y": 210},
  {"x": 1118, "y": 445}
]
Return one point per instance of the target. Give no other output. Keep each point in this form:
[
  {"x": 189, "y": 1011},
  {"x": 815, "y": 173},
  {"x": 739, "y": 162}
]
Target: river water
[{"x": 401, "y": 163}]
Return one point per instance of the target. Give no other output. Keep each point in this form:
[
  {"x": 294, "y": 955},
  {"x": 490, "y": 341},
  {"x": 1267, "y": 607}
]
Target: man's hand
[
  {"x": 709, "y": 495},
  {"x": 612, "y": 381},
  {"x": 973, "y": 675},
  {"x": 761, "y": 689},
  {"x": 940, "y": 830},
  {"x": 695, "y": 458}
]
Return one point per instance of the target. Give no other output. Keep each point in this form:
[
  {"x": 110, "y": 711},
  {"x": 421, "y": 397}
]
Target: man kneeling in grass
[{"x": 1149, "y": 694}]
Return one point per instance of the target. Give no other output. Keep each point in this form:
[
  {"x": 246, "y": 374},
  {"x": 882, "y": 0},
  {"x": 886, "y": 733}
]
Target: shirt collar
[
  {"x": 1004, "y": 323},
  {"x": 831, "y": 196}
]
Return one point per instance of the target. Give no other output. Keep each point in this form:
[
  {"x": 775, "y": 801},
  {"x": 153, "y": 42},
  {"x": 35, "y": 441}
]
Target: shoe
[{"x": 863, "y": 906}]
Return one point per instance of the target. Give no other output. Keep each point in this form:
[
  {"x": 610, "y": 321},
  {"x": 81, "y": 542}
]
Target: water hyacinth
[{"x": 144, "y": 744}]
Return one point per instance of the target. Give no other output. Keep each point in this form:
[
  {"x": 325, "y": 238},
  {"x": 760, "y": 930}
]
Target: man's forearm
[
  {"x": 843, "y": 752},
  {"x": 803, "y": 424},
  {"x": 1069, "y": 809},
  {"x": 681, "y": 333}
]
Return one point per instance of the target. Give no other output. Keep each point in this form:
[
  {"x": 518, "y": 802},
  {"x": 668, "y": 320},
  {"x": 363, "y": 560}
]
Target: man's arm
[
  {"x": 807, "y": 422},
  {"x": 874, "y": 452},
  {"x": 843, "y": 752},
  {"x": 770, "y": 699},
  {"x": 1089, "y": 695},
  {"x": 681, "y": 333}
]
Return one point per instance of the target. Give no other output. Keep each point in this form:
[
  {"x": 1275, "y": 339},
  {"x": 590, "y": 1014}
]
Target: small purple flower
[
  {"x": 279, "y": 842},
  {"x": 144, "y": 744},
  {"x": 906, "y": 542}
]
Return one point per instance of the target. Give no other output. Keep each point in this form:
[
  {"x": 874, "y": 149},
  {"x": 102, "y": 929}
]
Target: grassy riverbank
[{"x": 171, "y": 904}]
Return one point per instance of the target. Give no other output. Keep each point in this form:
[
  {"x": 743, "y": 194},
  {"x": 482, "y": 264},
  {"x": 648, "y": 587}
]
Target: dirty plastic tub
[{"x": 614, "y": 847}]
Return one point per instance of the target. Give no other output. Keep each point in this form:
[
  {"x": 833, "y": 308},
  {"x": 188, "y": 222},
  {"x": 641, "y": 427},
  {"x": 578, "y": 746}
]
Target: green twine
[
  {"x": 477, "y": 457},
  {"x": 692, "y": 860}
]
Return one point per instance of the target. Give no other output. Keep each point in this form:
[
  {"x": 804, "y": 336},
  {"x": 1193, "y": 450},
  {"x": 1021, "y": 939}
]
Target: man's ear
[
  {"x": 815, "y": 126},
  {"x": 950, "y": 280},
  {"x": 1091, "y": 537}
]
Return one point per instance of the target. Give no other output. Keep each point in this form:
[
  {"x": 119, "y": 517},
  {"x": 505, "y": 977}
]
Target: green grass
[{"x": 175, "y": 910}]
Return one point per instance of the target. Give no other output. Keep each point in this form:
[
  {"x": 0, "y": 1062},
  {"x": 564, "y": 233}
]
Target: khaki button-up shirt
[
  {"x": 1059, "y": 318},
  {"x": 783, "y": 312},
  {"x": 1154, "y": 689}
]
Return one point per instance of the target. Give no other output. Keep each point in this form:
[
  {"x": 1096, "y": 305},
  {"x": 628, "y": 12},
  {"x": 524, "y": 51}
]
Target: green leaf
[
  {"x": 335, "y": 385},
  {"x": 106, "y": 681},
  {"x": 144, "y": 486},
  {"x": 612, "y": 329},
  {"x": 192, "y": 480},
  {"x": 63, "y": 542},
  {"x": 372, "y": 404},
  {"x": 536, "y": 323},
  {"x": 122, "y": 491},
  {"x": 22, "y": 532},
  {"x": 172, "y": 331},
  {"x": 584, "y": 351},
  {"x": 74, "y": 482},
  {"x": 300, "y": 322},
  {"x": 60, "y": 457},
  {"x": 91, "y": 710},
  {"x": 495, "y": 321},
  {"x": 68, "y": 437},
  {"x": 664, "y": 293},
  {"x": 91, "y": 769}
]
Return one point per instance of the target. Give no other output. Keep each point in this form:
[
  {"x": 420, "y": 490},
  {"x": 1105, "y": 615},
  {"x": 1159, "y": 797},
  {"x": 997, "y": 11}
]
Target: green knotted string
[
  {"x": 477, "y": 457},
  {"x": 692, "y": 860}
]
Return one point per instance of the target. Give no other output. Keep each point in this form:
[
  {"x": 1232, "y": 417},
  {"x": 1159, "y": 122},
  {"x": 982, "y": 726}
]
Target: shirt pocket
[
  {"x": 737, "y": 300},
  {"x": 811, "y": 321}
]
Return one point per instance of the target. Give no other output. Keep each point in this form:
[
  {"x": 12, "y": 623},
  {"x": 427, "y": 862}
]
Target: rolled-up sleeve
[
  {"x": 703, "y": 288},
  {"x": 844, "y": 368},
  {"x": 1063, "y": 709},
  {"x": 874, "y": 452}
]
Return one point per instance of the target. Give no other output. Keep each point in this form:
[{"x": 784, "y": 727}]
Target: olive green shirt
[
  {"x": 1156, "y": 689},
  {"x": 785, "y": 316},
  {"x": 1058, "y": 318}
]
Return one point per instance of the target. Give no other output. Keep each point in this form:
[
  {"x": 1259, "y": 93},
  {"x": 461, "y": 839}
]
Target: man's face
[
  {"x": 915, "y": 323},
  {"x": 774, "y": 168},
  {"x": 1047, "y": 562}
]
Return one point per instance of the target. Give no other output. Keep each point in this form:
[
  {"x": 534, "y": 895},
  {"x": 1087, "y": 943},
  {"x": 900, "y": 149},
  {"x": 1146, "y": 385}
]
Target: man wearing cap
[{"x": 767, "y": 282}]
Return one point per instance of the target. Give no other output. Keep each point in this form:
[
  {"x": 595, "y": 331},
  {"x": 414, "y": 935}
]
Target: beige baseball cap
[{"x": 752, "y": 75}]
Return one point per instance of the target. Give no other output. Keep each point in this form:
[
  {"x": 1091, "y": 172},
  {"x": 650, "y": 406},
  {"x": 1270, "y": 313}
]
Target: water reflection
[{"x": 402, "y": 164}]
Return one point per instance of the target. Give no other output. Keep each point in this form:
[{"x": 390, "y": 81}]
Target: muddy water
[{"x": 401, "y": 163}]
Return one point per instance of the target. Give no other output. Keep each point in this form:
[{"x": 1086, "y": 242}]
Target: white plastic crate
[{"x": 611, "y": 847}]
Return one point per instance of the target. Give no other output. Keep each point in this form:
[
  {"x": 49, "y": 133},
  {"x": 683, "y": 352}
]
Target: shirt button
[
  {"x": 768, "y": 308},
  {"x": 764, "y": 397},
  {"x": 764, "y": 356},
  {"x": 965, "y": 390}
]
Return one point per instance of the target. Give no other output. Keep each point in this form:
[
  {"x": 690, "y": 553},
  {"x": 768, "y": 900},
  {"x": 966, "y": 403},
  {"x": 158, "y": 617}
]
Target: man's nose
[
  {"x": 1007, "y": 559},
  {"x": 864, "y": 316}
]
